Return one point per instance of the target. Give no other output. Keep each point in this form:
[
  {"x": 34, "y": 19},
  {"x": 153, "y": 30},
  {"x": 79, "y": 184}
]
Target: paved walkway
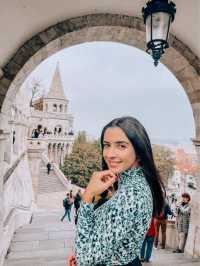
[{"x": 47, "y": 241}]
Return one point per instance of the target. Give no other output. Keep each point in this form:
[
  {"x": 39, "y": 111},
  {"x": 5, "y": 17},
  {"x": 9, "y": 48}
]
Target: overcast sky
[{"x": 105, "y": 80}]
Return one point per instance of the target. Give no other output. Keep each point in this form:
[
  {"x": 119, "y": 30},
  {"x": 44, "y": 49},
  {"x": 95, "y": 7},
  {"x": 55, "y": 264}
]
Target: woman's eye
[
  {"x": 105, "y": 145},
  {"x": 122, "y": 146}
]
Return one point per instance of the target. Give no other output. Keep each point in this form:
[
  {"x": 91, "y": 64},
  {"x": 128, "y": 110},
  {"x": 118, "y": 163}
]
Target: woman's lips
[{"x": 114, "y": 164}]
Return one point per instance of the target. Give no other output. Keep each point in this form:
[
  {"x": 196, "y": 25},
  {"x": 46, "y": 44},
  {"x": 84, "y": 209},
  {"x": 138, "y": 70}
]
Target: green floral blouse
[{"x": 113, "y": 233}]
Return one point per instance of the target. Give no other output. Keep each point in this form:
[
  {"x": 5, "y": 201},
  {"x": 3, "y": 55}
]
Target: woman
[{"x": 113, "y": 234}]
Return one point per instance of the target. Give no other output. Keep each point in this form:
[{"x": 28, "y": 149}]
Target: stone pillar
[
  {"x": 8, "y": 147},
  {"x": 16, "y": 145},
  {"x": 2, "y": 147},
  {"x": 35, "y": 150},
  {"x": 54, "y": 153},
  {"x": 193, "y": 242}
]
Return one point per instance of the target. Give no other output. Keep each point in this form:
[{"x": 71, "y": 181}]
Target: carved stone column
[
  {"x": 193, "y": 241},
  {"x": 35, "y": 150},
  {"x": 2, "y": 148}
]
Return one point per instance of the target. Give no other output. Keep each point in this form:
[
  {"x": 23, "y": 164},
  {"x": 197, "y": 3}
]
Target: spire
[{"x": 56, "y": 88}]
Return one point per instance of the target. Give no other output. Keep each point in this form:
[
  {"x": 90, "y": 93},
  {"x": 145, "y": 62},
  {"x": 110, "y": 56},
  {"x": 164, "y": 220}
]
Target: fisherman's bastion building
[{"x": 49, "y": 115}]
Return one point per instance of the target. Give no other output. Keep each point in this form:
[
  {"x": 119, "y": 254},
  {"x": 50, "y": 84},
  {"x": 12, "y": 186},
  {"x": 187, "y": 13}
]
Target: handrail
[
  {"x": 8, "y": 217},
  {"x": 12, "y": 168}
]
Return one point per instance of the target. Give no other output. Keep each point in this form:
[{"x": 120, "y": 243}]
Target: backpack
[{"x": 66, "y": 204}]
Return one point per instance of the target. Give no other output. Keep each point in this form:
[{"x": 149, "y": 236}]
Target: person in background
[
  {"x": 48, "y": 168},
  {"x": 67, "y": 207},
  {"x": 182, "y": 222},
  {"x": 147, "y": 245},
  {"x": 161, "y": 222},
  {"x": 77, "y": 201},
  {"x": 71, "y": 199}
]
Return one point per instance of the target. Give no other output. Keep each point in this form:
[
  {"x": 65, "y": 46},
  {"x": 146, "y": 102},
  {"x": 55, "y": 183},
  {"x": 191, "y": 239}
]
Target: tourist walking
[
  {"x": 161, "y": 223},
  {"x": 48, "y": 168},
  {"x": 67, "y": 207},
  {"x": 77, "y": 201},
  {"x": 147, "y": 245},
  {"x": 71, "y": 200},
  {"x": 113, "y": 233},
  {"x": 182, "y": 222}
]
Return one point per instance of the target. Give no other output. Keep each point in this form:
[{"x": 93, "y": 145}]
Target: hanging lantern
[{"x": 158, "y": 16}]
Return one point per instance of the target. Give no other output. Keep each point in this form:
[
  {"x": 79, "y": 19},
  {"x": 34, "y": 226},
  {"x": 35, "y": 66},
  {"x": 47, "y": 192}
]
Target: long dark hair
[{"x": 138, "y": 136}]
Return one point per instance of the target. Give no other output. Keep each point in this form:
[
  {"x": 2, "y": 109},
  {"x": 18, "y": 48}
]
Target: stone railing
[
  {"x": 52, "y": 137},
  {"x": 56, "y": 115},
  {"x": 16, "y": 202},
  {"x": 58, "y": 172},
  {"x": 12, "y": 168}
]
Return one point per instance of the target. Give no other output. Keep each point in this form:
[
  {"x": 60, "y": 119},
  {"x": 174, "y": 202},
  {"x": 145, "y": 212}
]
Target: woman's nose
[{"x": 111, "y": 152}]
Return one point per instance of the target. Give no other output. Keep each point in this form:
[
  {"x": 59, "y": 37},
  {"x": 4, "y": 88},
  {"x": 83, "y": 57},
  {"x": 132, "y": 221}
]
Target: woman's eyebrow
[
  {"x": 122, "y": 142},
  {"x": 118, "y": 142}
]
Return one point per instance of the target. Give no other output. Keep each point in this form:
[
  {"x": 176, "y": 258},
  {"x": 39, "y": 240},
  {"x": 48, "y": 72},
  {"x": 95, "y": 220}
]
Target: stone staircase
[
  {"x": 49, "y": 183},
  {"x": 51, "y": 190},
  {"x": 48, "y": 242},
  {"x": 45, "y": 242},
  {"x": 165, "y": 257}
]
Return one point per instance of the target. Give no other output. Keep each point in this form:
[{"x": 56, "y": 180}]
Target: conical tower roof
[{"x": 56, "y": 88}]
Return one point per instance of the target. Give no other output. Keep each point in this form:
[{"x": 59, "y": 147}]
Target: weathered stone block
[
  {"x": 36, "y": 43},
  {"x": 196, "y": 64},
  {"x": 187, "y": 73},
  {"x": 11, "y": 69},
  {"x": 22, "y": 55},
  {"x": 178, "y": 45}
]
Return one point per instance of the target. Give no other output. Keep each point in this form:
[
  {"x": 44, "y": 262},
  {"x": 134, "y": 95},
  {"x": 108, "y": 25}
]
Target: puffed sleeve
[{"x": 113, "y": 233}]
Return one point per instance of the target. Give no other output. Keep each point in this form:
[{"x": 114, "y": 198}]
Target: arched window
[
  {"x": 55, "y": 107},
  {"x": 61, "y": 108}
]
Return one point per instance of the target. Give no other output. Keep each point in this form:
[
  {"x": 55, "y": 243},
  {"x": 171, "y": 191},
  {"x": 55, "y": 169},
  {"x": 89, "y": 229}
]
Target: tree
[
  {"x": 165, "y": 162},
  {"x": 84, "y": 159},
  {"x": 35, "y": 90}
]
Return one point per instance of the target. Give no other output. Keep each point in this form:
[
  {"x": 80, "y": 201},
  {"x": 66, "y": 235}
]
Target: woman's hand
[
  {"x": 71, "y": 261},
  {"x": 99, "y": 182}
]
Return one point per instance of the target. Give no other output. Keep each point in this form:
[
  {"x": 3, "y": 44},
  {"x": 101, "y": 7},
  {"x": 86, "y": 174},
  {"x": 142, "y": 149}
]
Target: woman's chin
[{"x": 116, "y": 170}]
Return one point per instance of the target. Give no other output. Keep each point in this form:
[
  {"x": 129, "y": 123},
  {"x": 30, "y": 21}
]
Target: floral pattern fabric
[{"x": 113, "y": 233}]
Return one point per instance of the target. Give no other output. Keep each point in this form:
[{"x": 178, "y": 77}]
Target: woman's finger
[
  {"x": 109, "y": 181},
  {"x": 70, "y": 260}
]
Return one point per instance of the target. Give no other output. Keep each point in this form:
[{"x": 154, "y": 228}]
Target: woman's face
[{"x": 118, "y": 151}]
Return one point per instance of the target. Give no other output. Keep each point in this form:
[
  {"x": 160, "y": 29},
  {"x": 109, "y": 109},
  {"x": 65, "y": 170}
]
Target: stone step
[
  {"x": 49, "y": 183},
  {"x": 46, "y": 241},
  {"x": 36, "y": 262},
  {"x": 47, "y": 254},
  {"x": 42, "y": 245}
]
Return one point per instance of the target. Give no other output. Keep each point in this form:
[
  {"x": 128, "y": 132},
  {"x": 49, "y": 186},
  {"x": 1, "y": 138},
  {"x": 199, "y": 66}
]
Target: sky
[{"x": 105, "y": 80}]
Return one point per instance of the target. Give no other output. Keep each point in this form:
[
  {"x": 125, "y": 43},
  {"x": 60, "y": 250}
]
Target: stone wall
[{"x": 17, "y": 204}]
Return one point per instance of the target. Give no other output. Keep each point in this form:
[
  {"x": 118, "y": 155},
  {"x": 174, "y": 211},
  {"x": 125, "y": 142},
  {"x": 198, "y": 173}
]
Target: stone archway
[{"x": 182, "y": 62}]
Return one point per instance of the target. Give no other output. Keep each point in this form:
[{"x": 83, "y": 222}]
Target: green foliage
[
  {"x": 165, "y": 162},
  {"x": 85, "y": 158},
  {"x": 83, "y": 161}
]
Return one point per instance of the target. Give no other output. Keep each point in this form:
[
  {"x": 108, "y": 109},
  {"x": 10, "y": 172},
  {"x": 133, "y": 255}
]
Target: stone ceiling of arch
[
  {"x": 106, "y": 27},
  {"x": 173, "y": 59},
  {"x": 20, "y": 20}
]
